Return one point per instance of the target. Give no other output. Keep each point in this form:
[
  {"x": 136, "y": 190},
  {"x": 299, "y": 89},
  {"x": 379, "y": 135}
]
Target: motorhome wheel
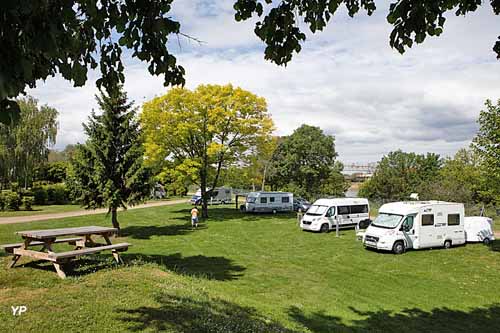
[
  {"x": 398, "y": 247},
  {"x": 486, "y": 241},
  {"x": 324, "y": 227},
  {"x": 274, "y": 211},
  {"x": 447, "y": 244}
]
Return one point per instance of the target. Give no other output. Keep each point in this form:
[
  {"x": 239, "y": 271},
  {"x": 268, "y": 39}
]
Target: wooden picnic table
[{"x": 84, "y": 244}]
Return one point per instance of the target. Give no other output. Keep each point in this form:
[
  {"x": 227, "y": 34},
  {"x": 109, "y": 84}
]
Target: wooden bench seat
[
  {"x": 88, "y": 250},
  {"x": 10, "y": 247}
]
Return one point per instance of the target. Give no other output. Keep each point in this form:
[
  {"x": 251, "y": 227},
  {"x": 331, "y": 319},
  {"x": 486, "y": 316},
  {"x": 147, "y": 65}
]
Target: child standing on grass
[{"x": 194, "y": 217}]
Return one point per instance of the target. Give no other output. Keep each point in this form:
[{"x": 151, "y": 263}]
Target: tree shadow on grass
[
  {"x": 484, "y": 319},
  {"x": 77, "y": 267},
  {"x": 145, "y": 232},
  {"x": 185, "y": 314},
  {"x": 210, "y": 268},
  {"x": 495, "y": 245}
]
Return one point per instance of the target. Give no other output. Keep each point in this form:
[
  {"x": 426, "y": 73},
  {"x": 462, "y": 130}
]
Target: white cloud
[{"x": 347, "y": 80}]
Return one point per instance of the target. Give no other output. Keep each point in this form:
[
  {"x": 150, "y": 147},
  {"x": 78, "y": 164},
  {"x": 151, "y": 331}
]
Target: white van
[
  {"x": 324, "y": 214},
  {"x": 269, "y": 202},
  {"x": 416, "y": 225},
  {"x": 219, "y": 195},
  {"x": 479, "y": 229}
]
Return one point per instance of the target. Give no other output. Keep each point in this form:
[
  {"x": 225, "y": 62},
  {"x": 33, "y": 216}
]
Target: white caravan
[
  {"x": 416, "y": 225},
  {"x": 479, "y": 229},
  {"x": 267, "y": 202},
  {"x": 220, "y": 195},
  {"x": 324, "y": 214}
]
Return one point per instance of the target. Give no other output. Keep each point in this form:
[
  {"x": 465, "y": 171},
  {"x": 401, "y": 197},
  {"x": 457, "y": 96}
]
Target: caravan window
[
  {"x": 343, "y": 210},
  {"x": 271, "y": 199},
  {"x": 427, "y": 219},
  {"x": 263, "y": 200},
  {"x": 285, "y": 199},
  {"x": 453, "y": 219},
  {"x": 251, "y": 199},
  {"x": 359, "y": 209}
]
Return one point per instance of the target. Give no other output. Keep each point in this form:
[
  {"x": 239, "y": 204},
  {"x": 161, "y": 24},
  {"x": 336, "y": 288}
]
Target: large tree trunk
[
  {"x": 204, "y": 198},
  {"x": 264, "y": 178},
  {"x": 114, "y": 218}
]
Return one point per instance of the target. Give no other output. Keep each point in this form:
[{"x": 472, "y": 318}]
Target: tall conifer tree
[{"x": 108, "y": 169}]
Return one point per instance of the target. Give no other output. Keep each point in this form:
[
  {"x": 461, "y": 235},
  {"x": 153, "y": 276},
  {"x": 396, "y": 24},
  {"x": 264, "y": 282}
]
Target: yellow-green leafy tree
[{"x": 209, "y": 128}]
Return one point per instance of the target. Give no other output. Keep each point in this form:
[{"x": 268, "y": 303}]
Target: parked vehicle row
[{"x": 400, "y": 226}]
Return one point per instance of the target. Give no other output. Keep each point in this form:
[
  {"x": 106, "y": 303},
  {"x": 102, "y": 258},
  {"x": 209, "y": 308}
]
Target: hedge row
[
  {"x": 10, "y": 200},
  {"x": 57, "y": 194}
]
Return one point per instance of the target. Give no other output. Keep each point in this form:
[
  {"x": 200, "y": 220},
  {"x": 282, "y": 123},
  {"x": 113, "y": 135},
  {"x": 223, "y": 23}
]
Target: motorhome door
[
  {"x": 408, "y": 230},
  {"x": 427, "y": 230},
  {"x": 330, "y": 217}
]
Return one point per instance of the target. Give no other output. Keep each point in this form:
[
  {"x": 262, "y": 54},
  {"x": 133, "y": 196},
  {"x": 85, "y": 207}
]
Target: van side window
[
  {"x": 408, "y": 223},
  {"x": 343, "y": 210},
  {"x": 427, "y": 219},
  {"x": 453, "y": 219},
  {"x": 359, "y": 209},
  {"x": 263, "y": 200},
  {"x": 330, "y": 212},
  {"x": 285, "y": 199},
  {"x": 271, "y": 199}
]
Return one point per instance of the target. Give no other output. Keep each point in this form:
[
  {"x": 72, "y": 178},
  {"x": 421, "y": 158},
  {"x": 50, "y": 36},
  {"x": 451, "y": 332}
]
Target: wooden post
[
  {"x": 14, "y": 260},
  {"x": 115, "y": 253},
  {"x": 337, "y": 227}
]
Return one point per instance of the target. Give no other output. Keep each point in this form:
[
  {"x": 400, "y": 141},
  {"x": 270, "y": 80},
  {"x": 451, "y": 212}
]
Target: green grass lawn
[
  {"x": 250, "y": 273},
  {"x": 37, "y": 210}
]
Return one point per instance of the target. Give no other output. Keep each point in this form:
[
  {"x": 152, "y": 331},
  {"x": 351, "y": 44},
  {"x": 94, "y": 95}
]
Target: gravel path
[{"x": 43, "y": 217}]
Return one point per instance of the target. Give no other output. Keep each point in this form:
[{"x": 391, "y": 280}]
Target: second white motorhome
[
  {"x": 416, "y": 225},
  {"x": 324, "y": 214},
  {"x": 219, "y": 195},
  {"x": 269, "y": 202}
]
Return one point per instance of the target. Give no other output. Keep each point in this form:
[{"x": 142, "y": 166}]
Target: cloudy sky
[{"x": 347, "y": 80}]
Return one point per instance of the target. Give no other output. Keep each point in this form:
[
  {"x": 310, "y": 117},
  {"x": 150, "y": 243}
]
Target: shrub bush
[
  {"x": 57, "y": 194},
  {"x": 2, "y": 201},
  {"x": 28, "y": 202},
  {"x": 12, "y": 200},
  {"x": 40, "y": 195}
]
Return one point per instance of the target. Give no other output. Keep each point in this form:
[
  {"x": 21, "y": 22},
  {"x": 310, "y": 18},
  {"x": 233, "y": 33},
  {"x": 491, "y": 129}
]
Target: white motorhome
[
  {"x": 416, "y": 225},
  {"x": 324, "y": 214},
  {"x": 479, "y": 229},
  {"x": 219, "y": 195},
  {"x": 269, "y": 202}
]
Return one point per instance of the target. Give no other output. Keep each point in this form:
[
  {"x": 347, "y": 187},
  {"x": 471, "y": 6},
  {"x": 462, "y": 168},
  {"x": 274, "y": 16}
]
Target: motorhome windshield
[
  {"x": 385, "y": 220},
  {"x": 251, "y": 199},
  {"x": 316, "y": 210}
]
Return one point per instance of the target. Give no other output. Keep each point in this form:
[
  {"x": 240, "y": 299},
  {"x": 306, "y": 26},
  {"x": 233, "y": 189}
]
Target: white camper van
[
  {"x": 324, "y": 214},
  {"x": 219, "y": 195},
  {"x": 479, "y": 229},
  {"x": 416, "y": 225},
  {"x": 269, "y": 202}
]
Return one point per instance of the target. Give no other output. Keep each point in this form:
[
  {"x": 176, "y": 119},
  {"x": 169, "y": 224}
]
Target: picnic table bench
[{"x": 84, "y": 244}]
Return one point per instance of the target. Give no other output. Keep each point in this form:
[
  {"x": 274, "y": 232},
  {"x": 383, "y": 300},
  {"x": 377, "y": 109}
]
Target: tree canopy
[
  {"x": 204, "y": 130},
  {"x": 399, "y": 174},
  {"x": 79, "y": 35},
  {"x": 108, "y": 171},
  {"x": 26, "y": 145},
  {"x": 487, "y": 146},
  {"x": 42, "y": 38},
  {"x": 305, "y": 163},
  {"x": 281, "y": 25}
]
